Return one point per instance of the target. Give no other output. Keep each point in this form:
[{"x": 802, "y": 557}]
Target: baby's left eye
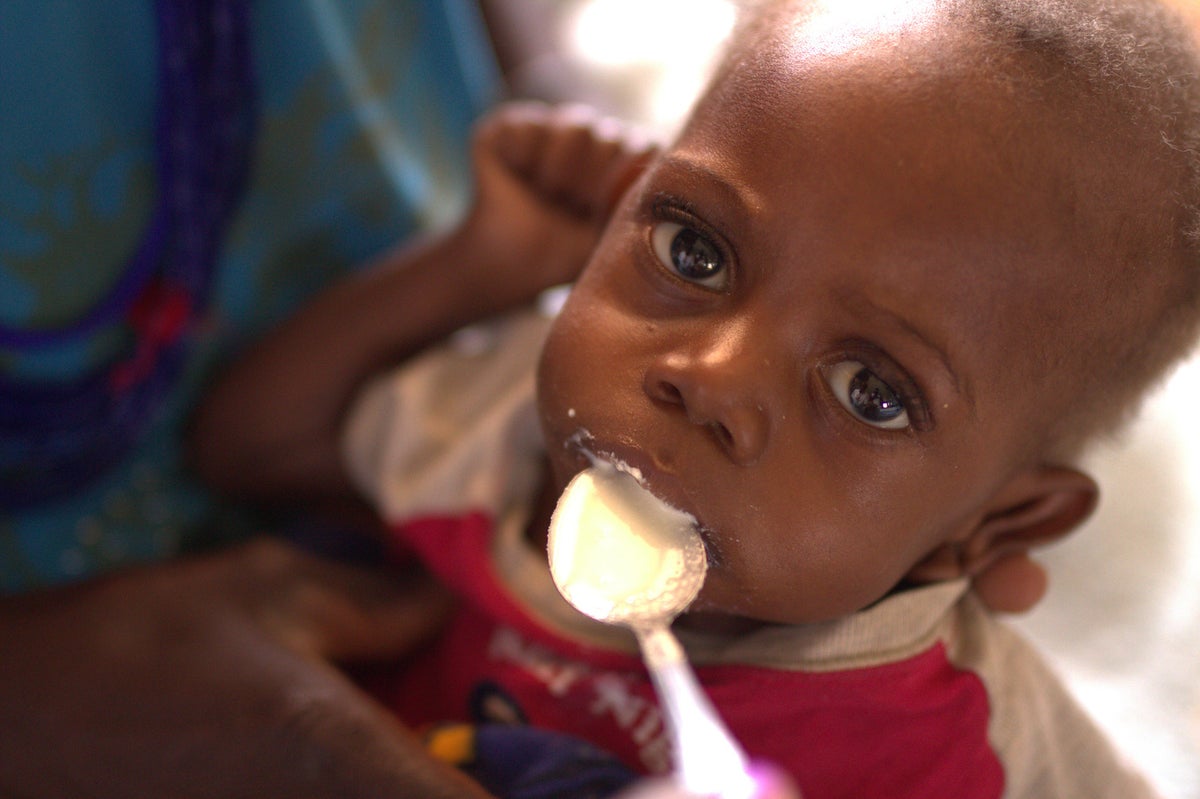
[
  {"x": 868, "y": 397},
  {"x": 689, "y": 254}
]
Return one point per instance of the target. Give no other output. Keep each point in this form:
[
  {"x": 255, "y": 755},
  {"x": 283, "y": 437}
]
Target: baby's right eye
[{"x": 689, "y": 254}]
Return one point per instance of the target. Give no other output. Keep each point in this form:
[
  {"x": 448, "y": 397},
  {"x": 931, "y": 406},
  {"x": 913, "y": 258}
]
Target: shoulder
[
  {"x": 1046, "y": 741},
  {"x": 455, "y": 430}
]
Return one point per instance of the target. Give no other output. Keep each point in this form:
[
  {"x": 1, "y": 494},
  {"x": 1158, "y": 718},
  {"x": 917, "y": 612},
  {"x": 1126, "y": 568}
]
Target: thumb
[
  {"x": 345, "y": 613},
  {"x": 624, "y": 174}
]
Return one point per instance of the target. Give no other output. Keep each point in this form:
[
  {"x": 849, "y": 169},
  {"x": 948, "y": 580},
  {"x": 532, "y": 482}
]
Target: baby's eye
[
  {"x": 866, "y": 396},
  {"x": 689, "y": 254}
]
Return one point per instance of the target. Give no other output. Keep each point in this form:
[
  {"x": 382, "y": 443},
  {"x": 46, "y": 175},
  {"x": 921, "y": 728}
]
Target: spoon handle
[{"x": 708, "y": 760}]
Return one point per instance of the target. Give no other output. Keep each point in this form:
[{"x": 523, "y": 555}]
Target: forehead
[
  {"x": 860, "y": 145},
  {"x": 978, "y": 139},
  {"x": 912, "y": 96},
  {"x": 892, "y": 163}
]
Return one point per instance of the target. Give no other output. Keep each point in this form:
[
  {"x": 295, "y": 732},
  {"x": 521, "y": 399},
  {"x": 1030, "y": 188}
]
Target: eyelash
[
  {"x": 911, "y": 396},
  {"x": 667, "y": 208}
]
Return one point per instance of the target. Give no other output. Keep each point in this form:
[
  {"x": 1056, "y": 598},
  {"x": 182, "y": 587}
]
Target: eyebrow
[
  {"x": 743, "y": 197},
  {"x": 858, "y": 303}
]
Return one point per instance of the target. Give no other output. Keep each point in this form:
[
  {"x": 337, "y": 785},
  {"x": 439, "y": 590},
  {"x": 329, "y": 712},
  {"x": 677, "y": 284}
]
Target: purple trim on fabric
[{"x": 57, "y": 436}]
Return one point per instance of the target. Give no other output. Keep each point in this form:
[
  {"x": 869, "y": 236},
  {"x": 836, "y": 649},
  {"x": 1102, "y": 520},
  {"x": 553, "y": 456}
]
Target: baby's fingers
[{"x": 569, "y": 156}]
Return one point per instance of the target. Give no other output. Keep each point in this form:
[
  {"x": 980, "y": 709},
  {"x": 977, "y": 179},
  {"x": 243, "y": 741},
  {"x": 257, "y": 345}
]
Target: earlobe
[{"x": 1035, "y": 508}]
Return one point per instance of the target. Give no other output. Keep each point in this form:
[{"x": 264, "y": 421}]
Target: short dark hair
[
  {"x": 1136, "y": 65},
  {"x": 1138, "y": 61}
]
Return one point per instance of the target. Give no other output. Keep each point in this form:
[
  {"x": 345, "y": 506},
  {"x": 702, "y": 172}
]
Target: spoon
[{"x": 623, "y": 556}]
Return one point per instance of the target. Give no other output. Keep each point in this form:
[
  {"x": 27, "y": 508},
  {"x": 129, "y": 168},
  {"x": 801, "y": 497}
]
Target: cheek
[
  {"x": 557, "y": 385},
  {"x": 819, "y": 544},
  {"x": 576, "y": 369},
  {"x": 821, "y": 563}
]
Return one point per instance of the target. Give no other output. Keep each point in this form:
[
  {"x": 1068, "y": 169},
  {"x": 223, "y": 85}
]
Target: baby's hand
[{"x": 547, "y": 179}]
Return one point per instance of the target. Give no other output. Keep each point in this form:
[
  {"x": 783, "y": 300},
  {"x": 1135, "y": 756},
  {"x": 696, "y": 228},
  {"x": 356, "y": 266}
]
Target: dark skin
[
  {"x": 221, "y": 676},
  {"x": 270, "y": 430},
  {"x": 234, "y": 653},
  {"x": 218, "y": 677},
  {"x": 834, "y": 257}
]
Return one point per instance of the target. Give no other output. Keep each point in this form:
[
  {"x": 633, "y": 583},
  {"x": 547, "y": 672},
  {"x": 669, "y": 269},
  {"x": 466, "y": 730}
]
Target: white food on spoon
[
  {"x": 641, "y": 562},
  {"x": 623, "y": 556}
]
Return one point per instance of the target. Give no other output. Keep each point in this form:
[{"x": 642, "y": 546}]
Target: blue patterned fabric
[
  {"x": 363, "y": 109},
  {"x": 204, "y": 126}
]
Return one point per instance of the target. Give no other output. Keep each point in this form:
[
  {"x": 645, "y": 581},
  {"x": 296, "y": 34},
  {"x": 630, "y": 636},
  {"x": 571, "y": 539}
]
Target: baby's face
[{"x": 809, "y": 326}]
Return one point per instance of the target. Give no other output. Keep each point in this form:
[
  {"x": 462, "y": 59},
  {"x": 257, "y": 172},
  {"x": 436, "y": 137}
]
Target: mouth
[{"x": 659, "y": 480}]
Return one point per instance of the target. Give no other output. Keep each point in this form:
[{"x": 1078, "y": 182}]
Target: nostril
[
  {"x": 668, "y": 392},
  {"x": 724, "y": 437},
  {"x": 717, "y": 397}
]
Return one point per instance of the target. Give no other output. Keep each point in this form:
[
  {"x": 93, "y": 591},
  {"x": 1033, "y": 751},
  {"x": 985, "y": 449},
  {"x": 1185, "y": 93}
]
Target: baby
[{"x": 903, "y": 263}]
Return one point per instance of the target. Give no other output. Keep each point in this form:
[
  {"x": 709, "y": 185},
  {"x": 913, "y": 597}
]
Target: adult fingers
[{"x": 334, "y": 610}]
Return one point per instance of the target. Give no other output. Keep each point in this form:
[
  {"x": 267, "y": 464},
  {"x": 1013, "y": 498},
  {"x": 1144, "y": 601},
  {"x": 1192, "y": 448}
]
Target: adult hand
[
  {"x": 212, "y": 678},
  {"x": 547, "y": 180}
]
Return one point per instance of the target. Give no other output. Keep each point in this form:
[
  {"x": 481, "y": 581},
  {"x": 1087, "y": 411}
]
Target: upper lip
[{"x": 662, "y": 482}]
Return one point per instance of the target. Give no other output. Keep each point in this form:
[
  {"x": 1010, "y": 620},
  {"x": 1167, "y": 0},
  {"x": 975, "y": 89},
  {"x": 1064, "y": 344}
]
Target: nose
[{"x": 720, "y": 386}]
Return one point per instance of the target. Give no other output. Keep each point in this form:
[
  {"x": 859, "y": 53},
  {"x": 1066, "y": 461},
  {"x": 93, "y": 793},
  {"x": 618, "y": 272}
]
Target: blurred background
[
  {"x": 1122, "y": 619},
  {"x": 643, "y": 60}
]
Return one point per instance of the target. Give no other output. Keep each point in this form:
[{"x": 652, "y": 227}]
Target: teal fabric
[{"x": 365, "y": 110}]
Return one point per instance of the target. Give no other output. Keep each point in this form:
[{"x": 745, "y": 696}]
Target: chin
[{"x": 718, "y": 622}]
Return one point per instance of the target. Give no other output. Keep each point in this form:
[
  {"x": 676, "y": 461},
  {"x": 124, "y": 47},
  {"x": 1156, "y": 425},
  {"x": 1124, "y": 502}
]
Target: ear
[{"x": 1035, "y": 508}]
